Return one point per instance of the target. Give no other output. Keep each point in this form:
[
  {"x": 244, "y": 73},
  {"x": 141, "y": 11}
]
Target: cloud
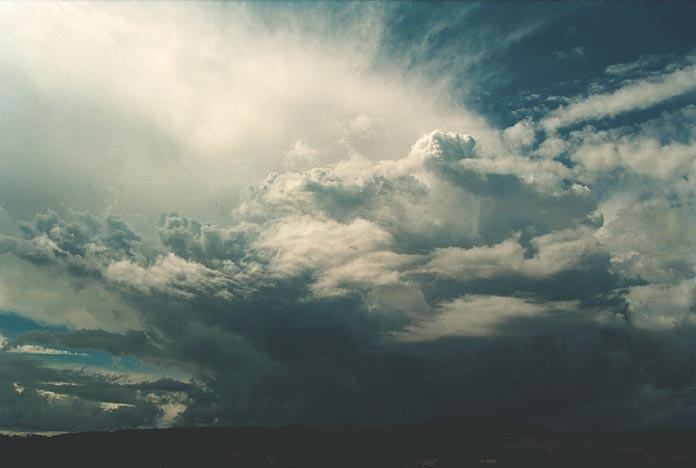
[
  {"x": 631, "y": 67},
  {"x": 169, "y": 274},
  {"x": 342, "y": 242},
  {"x": 641, "y": 94},
  {"x": 300, "y": 156},
  {"x": 555, "y": 252},
  {"x": 450, "y": 247},
  {"x": 34, "y": 349},
  {"x": 650, "y": 238},
  {"x": 49, "y": 294},
  {"x": 134, "y": 342},
  {"x": 520, "y": 135},
  {"x": 317, "y": 264},
  {"x": 477, "y": 315},
  {"x": 602, "y": 151},
  {"x": 662, "y": 306},
  {"x": 218, "y": 93},
  {"x": 445, "y": 174},
  {"x": 29, "y": 401}
]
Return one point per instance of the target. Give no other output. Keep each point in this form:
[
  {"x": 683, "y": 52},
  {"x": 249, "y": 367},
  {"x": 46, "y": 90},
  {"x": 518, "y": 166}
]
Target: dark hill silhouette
[{"x": 462, "y": 443}]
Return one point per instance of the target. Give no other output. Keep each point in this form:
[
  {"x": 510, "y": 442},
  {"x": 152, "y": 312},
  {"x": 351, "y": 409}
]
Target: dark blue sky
[{"x": 562, "y": 49}]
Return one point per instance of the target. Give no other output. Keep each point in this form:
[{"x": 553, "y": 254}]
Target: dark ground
[{"x": 438, "y": 445}]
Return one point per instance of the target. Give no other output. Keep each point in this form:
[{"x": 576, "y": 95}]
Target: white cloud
[
  {"x": 54, "y": 398},
  {"x": 555, "y": 252},
  {"x": 629, "y": 67},
  {"x": 40, "y": 293},
  {"x": 35, "y": 349},
  {"x": 661, "y": 307},
  {"x": 551, "y": 148},
  {"x": 477, "y": 262},
  {"x": 341, "y": 255},
  {"x": 362, "y": 224},
  {"x": 369, "y": 271},
  {"x": 601, "y": 151},
  {"x": 182, "y": 113},
  {"x": 170, "y": 275},
  {"x": 640, "y": 94},
  {"x": 301, "y": 156},
  {"x": 519, "y": 135},
  {"x": 650, "y": 239},
  {"x": 171, "y": 404},
  {"x": 480, "y": 315},
  {"x": 111, "y": 406}
]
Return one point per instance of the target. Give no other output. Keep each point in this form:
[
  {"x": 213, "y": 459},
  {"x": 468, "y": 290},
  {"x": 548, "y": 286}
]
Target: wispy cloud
[
  {"x": 34, "y": 349},
  {"x": 637, "y": 95}
]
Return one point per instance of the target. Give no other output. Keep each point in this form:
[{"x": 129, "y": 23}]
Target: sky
[{"x": 347, "y": 214}]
